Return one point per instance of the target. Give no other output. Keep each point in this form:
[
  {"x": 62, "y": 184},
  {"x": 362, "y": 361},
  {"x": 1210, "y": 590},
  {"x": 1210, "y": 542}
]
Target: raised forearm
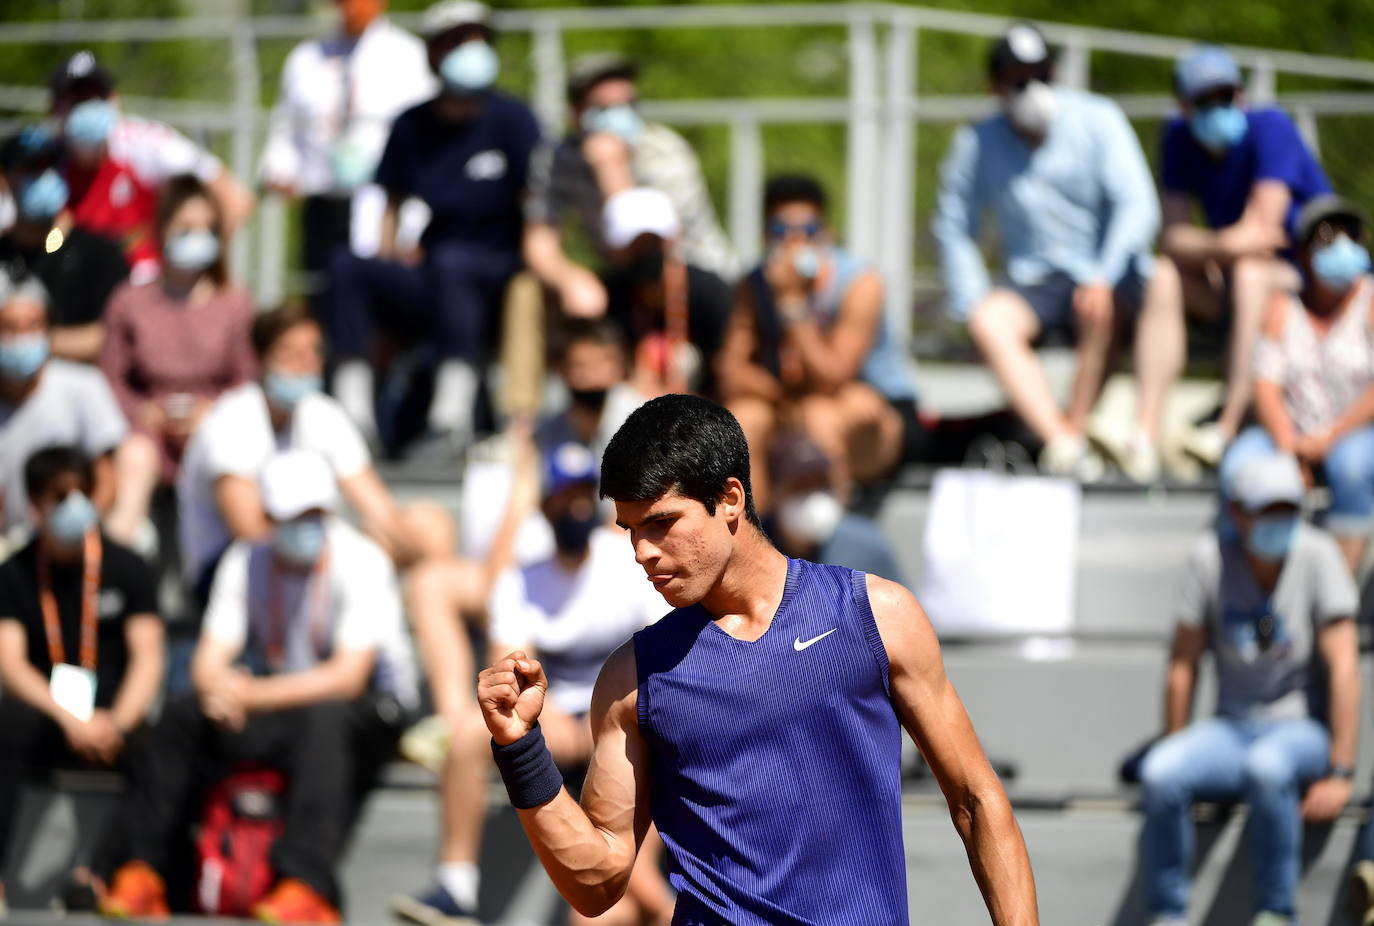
[
  {"x": 997, "y": 855},
  {"x": 1178, "y": 696},
  {"x": 587, "y": 864}
]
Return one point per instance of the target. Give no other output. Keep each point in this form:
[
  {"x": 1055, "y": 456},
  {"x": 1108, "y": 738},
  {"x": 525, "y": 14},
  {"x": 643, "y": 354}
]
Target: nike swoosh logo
[{"x": 799, "y": 644}]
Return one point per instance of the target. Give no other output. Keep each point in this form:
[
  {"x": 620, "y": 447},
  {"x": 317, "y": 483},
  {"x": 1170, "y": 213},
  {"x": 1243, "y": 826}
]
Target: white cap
[
  {"x": 450, "y": 14},
  {"x": 641, "y": 211},
  {"x": 296, "y": 481},
  {"x": 1273, "y": 479}
]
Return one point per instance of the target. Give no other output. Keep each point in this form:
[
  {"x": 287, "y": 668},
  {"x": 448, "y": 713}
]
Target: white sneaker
[
  {"x": 1266, "y": 918},
  {"x": 1169, "y": 921},
  {"x": 1139, "y": 460},
  {"x": 1207, "y": 443},
  {"x": 1071, "y": 457}
]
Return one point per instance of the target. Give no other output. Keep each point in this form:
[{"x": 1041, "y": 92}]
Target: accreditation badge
[{"x": 73, "y": 688}]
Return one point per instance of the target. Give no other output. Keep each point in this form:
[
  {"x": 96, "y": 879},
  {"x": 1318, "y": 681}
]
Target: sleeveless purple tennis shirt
[{"x": 776, "y": 764}]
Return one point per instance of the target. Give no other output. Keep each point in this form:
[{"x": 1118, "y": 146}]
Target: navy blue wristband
[{"x": 527, "y": 768}]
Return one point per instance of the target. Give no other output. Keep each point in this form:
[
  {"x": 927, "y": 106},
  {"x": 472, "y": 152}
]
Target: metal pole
[
  {"x": 1307, "y": 128},
  {"x": 1072, "y": 69},
  {"x": 746, "y": 188},
  {"x": 548, "y": 75},
  {"x": 1261, "y": 87},
  {"x": 243, "y": 58},
  {"x": 899, "y": 179},
  {"x": 862, "y": 156}
]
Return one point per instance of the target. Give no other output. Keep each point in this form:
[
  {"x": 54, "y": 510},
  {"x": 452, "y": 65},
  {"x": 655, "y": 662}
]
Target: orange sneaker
[
  {"x": 294, "y": 901},
  {"x": 136, "y": 892}
]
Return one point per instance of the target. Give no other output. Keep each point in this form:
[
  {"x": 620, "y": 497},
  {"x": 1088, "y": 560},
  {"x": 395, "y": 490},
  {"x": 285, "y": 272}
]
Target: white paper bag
[{"x": 1000, "y": 553}]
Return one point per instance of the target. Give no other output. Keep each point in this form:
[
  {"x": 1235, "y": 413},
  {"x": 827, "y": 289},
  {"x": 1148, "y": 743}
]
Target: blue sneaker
[{"x": 435, "y": 907}]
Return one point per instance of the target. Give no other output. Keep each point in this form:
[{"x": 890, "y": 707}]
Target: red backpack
[{"x": 242, "y": 819}]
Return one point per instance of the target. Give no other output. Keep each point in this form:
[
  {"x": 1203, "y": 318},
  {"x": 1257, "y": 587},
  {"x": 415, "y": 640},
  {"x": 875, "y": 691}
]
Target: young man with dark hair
[
  {"x": 757, "y": 725},
  {"x": 80, "y": 638}
]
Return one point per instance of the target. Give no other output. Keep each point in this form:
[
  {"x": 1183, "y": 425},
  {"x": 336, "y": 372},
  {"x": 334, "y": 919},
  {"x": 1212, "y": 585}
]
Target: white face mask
[
  {"x": 1032, "y": 109},
  {"x": 811, "y": 518}
]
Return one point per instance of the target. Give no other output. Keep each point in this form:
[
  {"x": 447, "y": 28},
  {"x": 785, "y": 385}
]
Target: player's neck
[{"x": 751, "y": 587}]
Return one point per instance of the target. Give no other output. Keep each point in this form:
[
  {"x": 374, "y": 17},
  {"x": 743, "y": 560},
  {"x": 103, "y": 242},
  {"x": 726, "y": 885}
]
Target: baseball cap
[
  {"x": 1273, "y": 479},
  {"x": 1022, "y": 44},
  {"x": 1206, "y": 67},
  {"x": 450, "y": 14},
  {"x": 640, "y": 211},
  {"x": 294, "y": 482},
  {"x": 589, "y": 70},
  {"x": 81, "y": 72},
  {"x": 568, "y": 464},
  {"x": 1324, "y": 208}
]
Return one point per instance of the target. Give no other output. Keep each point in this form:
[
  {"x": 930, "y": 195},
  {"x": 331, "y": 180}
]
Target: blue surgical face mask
[
  {"x": 1219, "y": 128},
  {"x": 300, "y": 541},
  {"x": 23, "y": 356},
  {"x": 193, "y": 250},
  {"x": 470, "y": 68},
  {"x": 286, "y": 390},
  {"x": 1271, "y": 536},
  {"x": 90, "y": 123},
  {"x": 43, "y": 197},
  {"x": 1339, "y": 264},
  {"x": 622, "y": 121},
  {"x": 71, "y": 519}
]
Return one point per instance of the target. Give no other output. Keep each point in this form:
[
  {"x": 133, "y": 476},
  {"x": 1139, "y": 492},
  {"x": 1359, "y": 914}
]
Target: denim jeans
[
  {"x": 1268, "y": 762},
  {"x": 1349, "y": 472}
]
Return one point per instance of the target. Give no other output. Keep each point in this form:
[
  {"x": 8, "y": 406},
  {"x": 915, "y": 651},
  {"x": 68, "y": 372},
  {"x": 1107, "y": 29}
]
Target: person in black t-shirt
[
  {"x": 465, "y": 154},
  {"x": 79, "y": 269},
  {"x": 100, "y": 600}
]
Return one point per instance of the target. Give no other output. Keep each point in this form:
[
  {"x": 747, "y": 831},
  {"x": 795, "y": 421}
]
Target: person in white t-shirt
[
  {"x": 303, "y": 663},
  {"x": 46, "y": 401},
  {"x": 286, "y": 408}
]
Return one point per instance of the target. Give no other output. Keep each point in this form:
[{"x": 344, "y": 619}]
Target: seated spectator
[
  {"x": 1076, "y": 211},
  {"x": 80, "y": 640},
  {"x": 465, "y": 154},
  {"x": 809, "y": 522},
  {"x": 45, "y": 401},
  {"x": 303, "y": 664},
  {"x": 593, "y": 364},
  {"x": 79, "y": 269},
  {"x": 808, "y": 346},
  {"x": 338, "y": 97},
  {"x": 117, "y": 164},
  {"x": 1314, "y": 371},
  {"x": 675, "y": 312},
  {"x": 285, "y": 408},
  {"x": 1250, "y": 172},
  {"x": 172, "y": 346},
  {"x": 1267, "y": 603},
  {"x": 610, "y": 149}
]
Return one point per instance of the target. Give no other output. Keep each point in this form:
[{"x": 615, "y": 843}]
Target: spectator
[
  {"x": 674, "y": 312},
  {"x": 1076, "y": 212},
  {"x": 465, "y": 153},
  {"x": 809, "y": 522},
  {"x": 217, "y": 487},
  {"x": 172, "y": 346},
  {"x": 117, "y": 164},
  {"x": 611, "y": 148},
  {"x": 338, "y": 97},
  {"x": 303, "y": 664},
  {"x": 79, "y": 269},
  {"x": 1314, "y": 371},
  {"x": 1266, "y": 602},
  {"x": 47, "y": 401},
  {"x": 593, "y": 364},
  {"x": 81, "y": 610},
  {"x": 1250, "y": 172},
  {"x": 808, "y": 342}
]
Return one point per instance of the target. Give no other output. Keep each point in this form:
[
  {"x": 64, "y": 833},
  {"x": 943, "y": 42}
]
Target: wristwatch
[{"x": 1341, "y": 771}]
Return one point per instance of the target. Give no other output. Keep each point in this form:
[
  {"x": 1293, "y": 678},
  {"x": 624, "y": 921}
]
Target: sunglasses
[
  {"x": 1021, "y": 83},
  {"x": 1221, "y": 96},
  {"x": 777, "y": 228}
]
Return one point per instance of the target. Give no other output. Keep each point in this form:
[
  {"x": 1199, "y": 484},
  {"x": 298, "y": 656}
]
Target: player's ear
[{"x": 732, "y": 500}]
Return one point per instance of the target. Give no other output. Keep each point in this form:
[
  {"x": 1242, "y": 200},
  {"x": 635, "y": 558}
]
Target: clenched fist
[{"x": 511, "y": 695}]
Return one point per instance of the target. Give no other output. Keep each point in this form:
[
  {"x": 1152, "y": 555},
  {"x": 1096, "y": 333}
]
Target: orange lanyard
[
  {"x": 90, "y": 596},
  {"x": 317, "y": 600}
]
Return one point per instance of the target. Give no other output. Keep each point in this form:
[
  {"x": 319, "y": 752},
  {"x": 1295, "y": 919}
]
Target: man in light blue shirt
[{"x": 1077, "y": 213}]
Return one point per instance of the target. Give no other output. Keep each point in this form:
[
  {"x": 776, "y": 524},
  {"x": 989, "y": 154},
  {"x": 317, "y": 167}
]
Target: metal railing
[{"x": 880, "y": 113}]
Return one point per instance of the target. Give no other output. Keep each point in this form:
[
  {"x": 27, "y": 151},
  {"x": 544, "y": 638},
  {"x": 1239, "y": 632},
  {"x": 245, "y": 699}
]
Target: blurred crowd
[{"x": 204, "y": 573}]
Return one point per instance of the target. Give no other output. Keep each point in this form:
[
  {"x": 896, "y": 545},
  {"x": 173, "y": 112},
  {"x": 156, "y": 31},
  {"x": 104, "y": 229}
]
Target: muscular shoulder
[
  {"x": 902, "y": 623},
  {"x": 615, "y": 699}
]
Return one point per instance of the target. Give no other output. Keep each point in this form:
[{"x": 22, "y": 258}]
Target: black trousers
[
  {"x": 31, "y": 745},
  {"x": 330, "y": 753},
  {"x": 325, "y": 225}
]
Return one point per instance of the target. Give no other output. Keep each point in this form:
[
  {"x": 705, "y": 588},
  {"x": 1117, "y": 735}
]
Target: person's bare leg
[
  {"x": 137, "y": 468},
  {"x": 429, "y": 533},
  {"x": 873, "y": 440},
  {"x": 1253, "y": 279},
  {"x": 463, "y": 789},
  {"x": 1002, "y": 327},
  {"x": 1092, "y": 361},
  {"x": 1160, "y": 346},
  {"x": 821, "y": 418},
  {"x": 759, "y": 420}
]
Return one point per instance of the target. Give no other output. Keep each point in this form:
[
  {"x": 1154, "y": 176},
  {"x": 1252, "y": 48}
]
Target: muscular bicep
[{"x": 615, "y": 796}]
